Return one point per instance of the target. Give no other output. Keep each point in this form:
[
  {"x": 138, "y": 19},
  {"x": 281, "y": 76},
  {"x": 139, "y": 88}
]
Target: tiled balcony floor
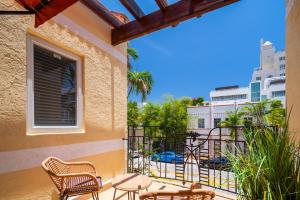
[{"x": 156, "y": 185}]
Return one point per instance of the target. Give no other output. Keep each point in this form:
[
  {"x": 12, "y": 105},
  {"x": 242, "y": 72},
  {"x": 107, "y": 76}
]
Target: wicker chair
[
  {"x": 73, "y": 178},
  {"x": 195, "y": 194}
]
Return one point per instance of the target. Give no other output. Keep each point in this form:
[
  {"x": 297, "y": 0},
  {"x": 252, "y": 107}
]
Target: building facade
[
  {"x": 293, "y": 65},
  {"x": 63, "y": 93},
  {"x": 267, "y": 82}
]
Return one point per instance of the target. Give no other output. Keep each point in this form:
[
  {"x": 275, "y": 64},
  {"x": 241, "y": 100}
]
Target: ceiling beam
[
  {"x": 173, "y": 14},
  {"x": 162, "y": 4},
  {"x": 102, "y": 12},
  {"x": 133, "y": 8}
]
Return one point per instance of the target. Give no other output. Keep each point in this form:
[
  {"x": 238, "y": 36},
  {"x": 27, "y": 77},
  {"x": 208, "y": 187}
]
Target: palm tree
[
  {"x": 259, "y": 111},
  {"x": 139, "y": 83},
  {"x": 132, "y": 54},
  {"x": 234, "y": 119}
]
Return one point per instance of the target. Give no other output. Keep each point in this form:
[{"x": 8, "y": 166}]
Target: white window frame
[{"x": 31, "y": 128}]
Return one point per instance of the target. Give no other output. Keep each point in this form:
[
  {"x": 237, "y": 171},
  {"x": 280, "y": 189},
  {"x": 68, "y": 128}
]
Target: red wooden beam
[
  {"x": 102, "y": 12},
  {"x": 162, "y": 4},
  {"x": 133, "y": 8},
  {"x": 173, "y": 14}
]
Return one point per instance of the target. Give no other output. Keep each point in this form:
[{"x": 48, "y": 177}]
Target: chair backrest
[
  {"x": 54, "y": 167},
  {"x": 196, "y": 194}
]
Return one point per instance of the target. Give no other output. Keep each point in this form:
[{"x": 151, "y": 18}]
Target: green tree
[
  {"x": 150, "y": 118},
  {"x": 174, "y": 116},
  {"x": 276, "y": 115},
  {"x": 132, "y": 54},
  {"x": 234, "y": 119},
  {"x": 198, "y": 101},
  {"x": 139, "y": 83},
  {"x": 266, "y": 113},
  {"x": 258, "y": 111},
  {"x": 150, "y": 114},
  {"x": 132, "y": 114}
]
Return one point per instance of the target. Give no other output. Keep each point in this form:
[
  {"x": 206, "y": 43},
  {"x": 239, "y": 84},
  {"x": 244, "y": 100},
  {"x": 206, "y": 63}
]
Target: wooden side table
[{"x": 131, "y": 183}]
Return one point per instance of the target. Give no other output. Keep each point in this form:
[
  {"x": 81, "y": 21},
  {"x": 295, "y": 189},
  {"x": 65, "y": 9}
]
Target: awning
[
  {"x": 123, "y": 29},
  {"x": 45, "y": 9}
]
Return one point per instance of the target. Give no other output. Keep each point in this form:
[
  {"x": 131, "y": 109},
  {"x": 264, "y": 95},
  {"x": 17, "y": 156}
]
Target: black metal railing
[{"x": 186, "y": 157}]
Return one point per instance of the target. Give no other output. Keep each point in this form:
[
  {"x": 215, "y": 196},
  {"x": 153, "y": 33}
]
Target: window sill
[{"x": 49, "y": 132}]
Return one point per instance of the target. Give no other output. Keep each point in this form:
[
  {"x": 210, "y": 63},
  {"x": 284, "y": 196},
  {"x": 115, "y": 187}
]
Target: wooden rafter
[
  {"x": 102, "y": 12},
  {"x": 172, "y": 15},
  {"x": 133, "y": 8},
  {"x": 162, "y": 4}
]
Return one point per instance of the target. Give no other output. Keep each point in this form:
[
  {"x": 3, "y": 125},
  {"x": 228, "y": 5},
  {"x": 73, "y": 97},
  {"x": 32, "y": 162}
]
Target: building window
[
  {"x": 54, "y": 89},
  {"x": 282, "y": 67},
  {"x": 278, "y": 93},
  {"x": 258, "y": 78},
  {"x": 217, "y": 122},
  {"x": 230, "y": 97},
  {"x": 283, "y": 74},
  {"x": 201, "y": 123},
  {"x": 282, "y": 58},
  {"x": 255, "y": 92},
  {"x": 263, "y": 97}
]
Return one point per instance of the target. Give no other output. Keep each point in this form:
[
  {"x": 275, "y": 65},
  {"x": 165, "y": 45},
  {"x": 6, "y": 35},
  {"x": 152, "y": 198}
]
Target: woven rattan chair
[
  {"x": 73, "y": 178},
  {"x": 195, "y": 194}
]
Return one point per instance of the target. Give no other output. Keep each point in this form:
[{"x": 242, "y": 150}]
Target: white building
[{"x": 267, "y": 82}]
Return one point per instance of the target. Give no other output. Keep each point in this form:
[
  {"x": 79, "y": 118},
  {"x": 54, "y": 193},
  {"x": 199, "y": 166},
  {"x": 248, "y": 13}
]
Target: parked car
[
  {"x": 217, "y": 163},
  {"x": 168, "y": 157}
]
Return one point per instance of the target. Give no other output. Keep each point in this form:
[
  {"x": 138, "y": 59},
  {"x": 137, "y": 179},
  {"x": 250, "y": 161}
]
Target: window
[
  {"x": 282, "y": 67},
  {"x": 201, "y": 123},
  {"x": 263, "y": 97},
  {"x": 258, "y": 78},
  {"x": 278, "y": 93},
  {"x": 230, "y": 97},
  {"x": 217, "y": 122},
  {"x": 255, "y": 92},
  {"x": 282, "y": 58},
  {"x": 54, "y": 89},
  {"x": 283, "y": 74}
]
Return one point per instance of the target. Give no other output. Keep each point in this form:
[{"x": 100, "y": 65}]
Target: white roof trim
[{"x": 79, "y": 30}]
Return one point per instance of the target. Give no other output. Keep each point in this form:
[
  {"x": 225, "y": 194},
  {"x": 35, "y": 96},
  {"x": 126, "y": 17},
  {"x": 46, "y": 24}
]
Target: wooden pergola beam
[
  {"x": 162, "y": 4},
  {"x": 133, "y": 8},
  {"x": 173, "y": 14},
  {"x": 102, "y": 12}
]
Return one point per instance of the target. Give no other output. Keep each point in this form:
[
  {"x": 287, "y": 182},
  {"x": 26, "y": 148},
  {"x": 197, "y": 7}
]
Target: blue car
[{"x": 168, "y": 157}]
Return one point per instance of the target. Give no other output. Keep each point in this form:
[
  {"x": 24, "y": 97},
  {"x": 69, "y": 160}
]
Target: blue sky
[{"x": 221, "y": 48}]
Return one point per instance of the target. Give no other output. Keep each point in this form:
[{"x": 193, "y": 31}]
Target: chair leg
[
  {"x": 95, "y": 195},
  {"x": 64, "y": 197},
  {"x": 115, "y": 194}
]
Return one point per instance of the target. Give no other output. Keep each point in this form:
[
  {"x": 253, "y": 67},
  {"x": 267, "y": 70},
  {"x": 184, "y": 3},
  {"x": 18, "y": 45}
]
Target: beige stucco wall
[
  {"x": 105, "y": 101},
  {"x": 293, "y": 64}
]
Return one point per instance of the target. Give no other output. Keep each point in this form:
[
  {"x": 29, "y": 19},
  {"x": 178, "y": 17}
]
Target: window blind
[{"x": 55, "y": 89}]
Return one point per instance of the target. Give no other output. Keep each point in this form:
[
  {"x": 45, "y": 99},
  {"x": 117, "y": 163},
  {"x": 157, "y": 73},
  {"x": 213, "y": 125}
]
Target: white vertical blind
[{"x": 55, "y": 89}]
